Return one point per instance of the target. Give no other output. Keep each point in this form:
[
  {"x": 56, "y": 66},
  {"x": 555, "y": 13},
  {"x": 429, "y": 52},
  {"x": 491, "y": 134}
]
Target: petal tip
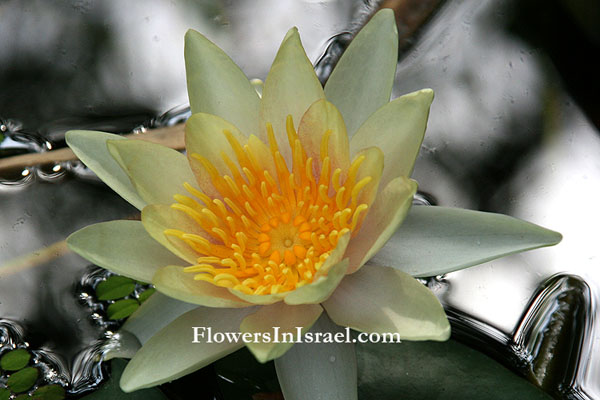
[
  {"x": 427, "y": 94},
  {"x": 557, "y": 237}
]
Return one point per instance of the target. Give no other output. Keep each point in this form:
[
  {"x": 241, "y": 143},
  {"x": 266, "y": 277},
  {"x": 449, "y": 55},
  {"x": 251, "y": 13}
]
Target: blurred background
[{"x": 514, "y": 128}]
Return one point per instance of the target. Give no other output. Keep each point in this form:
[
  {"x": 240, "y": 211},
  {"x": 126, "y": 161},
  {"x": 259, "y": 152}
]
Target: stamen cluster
[{"x": 270, "y": 233}]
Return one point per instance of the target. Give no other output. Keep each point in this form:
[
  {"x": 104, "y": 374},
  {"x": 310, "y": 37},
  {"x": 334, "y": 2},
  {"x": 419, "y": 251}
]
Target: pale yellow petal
[
  {"x": 174, "y": 282},
  {"x": 217, "y": 86},
  {"x": 156, "y": 172},
  {"x": 123, "y": 247},
  {"x": 385, "y": 300},
  {"x": 90, "y": 147},
  {"x": 205, "y": 138},
  {"x": 290, "y": 88},
  {"x": 397, "y": 129},
  {"x": 283, "y": 323},
  {"x": 159, "y": 217},
  {"x": 384, "y": 217},
  {"x": 362, "y": 80},
  {"x": 321, "y": 117}
]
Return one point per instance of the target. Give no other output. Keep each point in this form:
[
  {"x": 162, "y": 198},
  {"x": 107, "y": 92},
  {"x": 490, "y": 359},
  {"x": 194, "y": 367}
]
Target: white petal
[
  {"x": 217, "y": 86},
  {"x": 170, "y": 354},
  {"x": 437, "y": 240},
  {"x": 123, "y": 247},
  {"x": 90, "y": 147},
  {"x": 385, "y": 300},
  {"x": 325, "y": 371},
  {"x": 363, "y": 78},
  {"x": 157, "y": 172}
]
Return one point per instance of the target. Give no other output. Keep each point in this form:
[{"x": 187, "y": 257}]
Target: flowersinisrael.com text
[{"x": 204, "y": 334}]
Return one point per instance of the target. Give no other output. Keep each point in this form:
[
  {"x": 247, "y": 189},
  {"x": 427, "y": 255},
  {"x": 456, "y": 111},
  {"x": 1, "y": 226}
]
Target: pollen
[{"x": 270, "y": 230}]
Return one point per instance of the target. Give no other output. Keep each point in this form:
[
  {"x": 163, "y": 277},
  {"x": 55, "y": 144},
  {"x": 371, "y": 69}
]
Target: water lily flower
[{"x": 274, "y": 213}]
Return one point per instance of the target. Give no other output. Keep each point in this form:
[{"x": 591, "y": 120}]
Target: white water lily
[{"x": 267, "y": 224}]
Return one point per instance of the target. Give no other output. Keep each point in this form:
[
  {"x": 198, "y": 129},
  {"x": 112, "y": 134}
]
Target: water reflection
[{"x": 503, "y": 136}]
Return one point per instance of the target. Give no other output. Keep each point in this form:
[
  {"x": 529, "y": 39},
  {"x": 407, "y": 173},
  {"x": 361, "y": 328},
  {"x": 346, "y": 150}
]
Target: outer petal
[
  {"x": 122, "y": 247},
  {"x": 157, "y": 172},
  {"x": 156, "y": 218},
  {"x": 310, "y": 371},
  {"x": 170, "y": 354},
  {"x": 397, "y": 129},
  {"x": 286, "y": 318},
  {"x": 384, "y": 217},
  {"x": 326, "y": 279},
  {"x": 217, "y": 86},
  {"x": 320, "y": 117},
  {"x": 90, "y": 147},
  {"x": 363, "y": 78},
  {"x": 143, "y": 323},
  {"x": 204, "y": 137},
  {"x": 438, "y": 240},
  {"x": 290, "y": 88},
  {"x": 382, "y": 299},
  {"x": 174, "y": 282}
]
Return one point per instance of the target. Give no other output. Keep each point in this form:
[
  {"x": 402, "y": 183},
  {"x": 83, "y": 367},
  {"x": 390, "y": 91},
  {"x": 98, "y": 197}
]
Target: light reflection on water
[{"x": 502, "y": 136}]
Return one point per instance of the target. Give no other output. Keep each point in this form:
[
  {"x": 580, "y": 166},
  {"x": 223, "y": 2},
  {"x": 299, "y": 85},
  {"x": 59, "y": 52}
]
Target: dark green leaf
[
  {"x": 115, "y": 287},
  {"x": 145, "y": 294},
  {"x": 22, "y": 380},
  {"x": 246, "y": 378},
  {"x": 4, "y": 394},
  {"x": 434, "y": 370},
  {"x": 111, "y": 391},
  {"x": 23, "y": 397},
  {"x": 122, "y": 309},
  {"x": 50, "y": 392},
  {"x": 15, "y": 360}
]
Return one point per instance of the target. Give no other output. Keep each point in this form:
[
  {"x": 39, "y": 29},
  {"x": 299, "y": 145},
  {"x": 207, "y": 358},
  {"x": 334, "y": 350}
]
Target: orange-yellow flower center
[{"x": 270, "y": 234}]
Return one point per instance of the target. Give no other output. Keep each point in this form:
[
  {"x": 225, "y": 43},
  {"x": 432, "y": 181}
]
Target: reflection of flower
[{"x": 270, "y": 230}]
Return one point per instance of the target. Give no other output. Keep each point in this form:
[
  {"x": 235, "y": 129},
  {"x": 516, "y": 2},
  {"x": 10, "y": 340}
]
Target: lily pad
[
  {"x": 122, "y": 309},
  {"x": 15, "y": 360},
  {"x": 242, "y": 377},
  {"x": 50, "y": 392},
  {"x": 115, "y": 287},
  {"x": 4, "y": 394},
  {"x": 145, "y": 294},
  {"x": 22, "y": 380},
  {"x": 434, "y": 370},
  {"x": 111, "y": 390}
]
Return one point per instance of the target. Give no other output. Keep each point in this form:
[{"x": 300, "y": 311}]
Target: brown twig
[{"x": 34, "y": 259}]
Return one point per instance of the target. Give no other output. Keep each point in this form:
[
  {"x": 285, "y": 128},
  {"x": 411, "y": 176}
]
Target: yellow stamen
[{"x": 271, "y": 230}]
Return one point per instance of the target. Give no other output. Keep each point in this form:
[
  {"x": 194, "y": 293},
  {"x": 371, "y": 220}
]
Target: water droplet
[{"x": 332, "y": 359}]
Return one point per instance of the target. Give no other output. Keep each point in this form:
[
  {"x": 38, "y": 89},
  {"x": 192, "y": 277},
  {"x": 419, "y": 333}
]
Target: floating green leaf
[
  {"x": 434, "y": 370},
  {"x": 15, "y": 360},
  {"x": 145, "y": 294},
  {"x": 4, "y": 394},
  {"x": 115, "y": 287},
  {"x": 22, "y": 380},
  {"x": 50, "y": 392},
  {"x": 23, "y": 397},
  {"x": 122, "y": 309},
  {"x": 111, "y": 390},
  {"x": 250, "y": 376}
]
